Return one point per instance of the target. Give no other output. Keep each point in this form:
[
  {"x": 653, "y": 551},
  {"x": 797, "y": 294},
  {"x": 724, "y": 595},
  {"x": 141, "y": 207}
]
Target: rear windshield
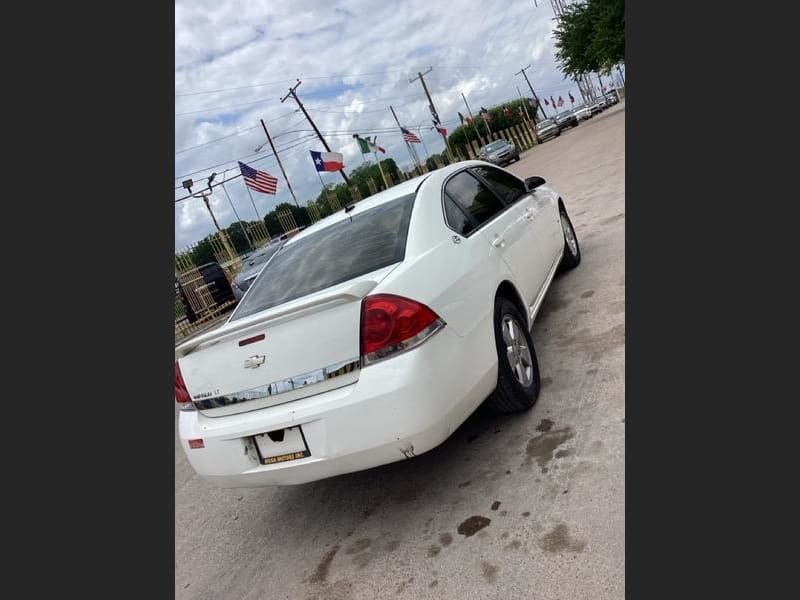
[{"x": 366, "y": 242}]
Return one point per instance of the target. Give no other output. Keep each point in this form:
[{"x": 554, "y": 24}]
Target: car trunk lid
[{"x": 288, "y": 352}]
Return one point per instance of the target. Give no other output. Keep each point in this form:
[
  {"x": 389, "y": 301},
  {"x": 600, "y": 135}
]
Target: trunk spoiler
[{"x": 284, "y": 312}]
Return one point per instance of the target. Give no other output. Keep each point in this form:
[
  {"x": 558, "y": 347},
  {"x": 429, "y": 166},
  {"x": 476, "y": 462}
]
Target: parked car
[
  {"x": 596, "y": 107},
  {"x": 567, "y": 119},
  {"x": 372, "y": 335},
  {"x": 547, "y": 128},
  {"x": 582, "y": 112},
  {"x": 216, "y": 281},
  {"x": 188, "y": 311},
  {"x": 612, "y": 97},
  {"x": 251, "y": 267},
  {"x": 499, "y": 152}
]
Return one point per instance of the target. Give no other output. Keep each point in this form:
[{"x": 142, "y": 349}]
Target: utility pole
[
  {"x": 469, "y": 110},
  {"x": 408, "y": 144},
  {"x": 293, "y": 94},
  {"x": 434, "y": 114},
  {"x": 525, "y": 75},
  {"x": 280, "y": 164}
]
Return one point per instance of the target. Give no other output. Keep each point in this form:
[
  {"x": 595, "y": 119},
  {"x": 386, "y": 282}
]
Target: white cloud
[{"x": 377, "y": 47}]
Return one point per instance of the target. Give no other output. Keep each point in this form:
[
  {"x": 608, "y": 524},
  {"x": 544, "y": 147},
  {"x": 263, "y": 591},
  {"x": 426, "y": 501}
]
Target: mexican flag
[{"x": 368, "y": 146}]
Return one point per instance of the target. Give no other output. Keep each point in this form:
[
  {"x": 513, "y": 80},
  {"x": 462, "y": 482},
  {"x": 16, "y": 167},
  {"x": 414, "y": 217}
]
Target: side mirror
[{"x": 531, "y": 183}]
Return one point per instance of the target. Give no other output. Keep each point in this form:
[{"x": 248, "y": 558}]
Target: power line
[
  {"x": 360, "y": 112},
  {"x": 282, "y": 81},
  {"x": 261, "y": 157},
  {"x": 224, "y": 137},
  {"x": 235, "y": 176},
  {"x": 308, "y": 138},
  {"x": 367, "y": 101}
]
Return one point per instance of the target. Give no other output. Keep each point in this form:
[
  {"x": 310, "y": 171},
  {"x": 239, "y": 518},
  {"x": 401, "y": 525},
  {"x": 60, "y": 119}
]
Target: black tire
[
  {"x": 570, "y": 259},
  {"x": 511, "y": 395}
]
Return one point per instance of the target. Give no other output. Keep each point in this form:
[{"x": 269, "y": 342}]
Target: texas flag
[{"x": 327, "y": 161}]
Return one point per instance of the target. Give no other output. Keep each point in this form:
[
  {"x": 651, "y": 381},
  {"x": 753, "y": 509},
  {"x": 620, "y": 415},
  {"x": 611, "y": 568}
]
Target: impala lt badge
[{"x": 255, "y": 361}]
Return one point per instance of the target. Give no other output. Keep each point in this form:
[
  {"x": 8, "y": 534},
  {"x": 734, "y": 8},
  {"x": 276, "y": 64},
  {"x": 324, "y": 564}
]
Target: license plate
[{"x": 277, "y": 448}]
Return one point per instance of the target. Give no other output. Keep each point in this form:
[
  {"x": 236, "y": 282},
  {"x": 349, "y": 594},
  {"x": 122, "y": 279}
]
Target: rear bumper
[{"x": 398, "y": 408}]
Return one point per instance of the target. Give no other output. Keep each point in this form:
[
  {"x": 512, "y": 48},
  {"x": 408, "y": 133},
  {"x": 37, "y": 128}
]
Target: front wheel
[
  {"x": 572, "y": 252},
  {"x": 517, "y": 368}
]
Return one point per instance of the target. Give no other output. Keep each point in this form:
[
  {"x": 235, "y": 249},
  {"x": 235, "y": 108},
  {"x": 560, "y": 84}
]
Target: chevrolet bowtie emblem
[{"x": 255, "y": 361}]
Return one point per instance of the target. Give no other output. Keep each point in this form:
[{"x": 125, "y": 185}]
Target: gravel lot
[{"x": 521, "y": 506}]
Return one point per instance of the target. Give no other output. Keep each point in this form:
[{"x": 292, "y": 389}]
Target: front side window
[
  {"x": 508, "y": 187},
  {"x": 477, "y": 201}
]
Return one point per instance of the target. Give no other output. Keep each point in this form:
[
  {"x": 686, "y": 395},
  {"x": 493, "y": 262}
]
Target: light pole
[{"x": 223, "y": 238}]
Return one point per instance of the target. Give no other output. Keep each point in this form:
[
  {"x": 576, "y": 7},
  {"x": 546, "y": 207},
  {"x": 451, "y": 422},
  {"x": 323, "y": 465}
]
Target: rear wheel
[
  {"x": 517, "y": 368},
  {"x": 572, "y": 251}
]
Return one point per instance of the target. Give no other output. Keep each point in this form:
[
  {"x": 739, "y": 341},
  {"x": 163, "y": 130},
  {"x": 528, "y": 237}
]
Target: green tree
[
  {"x": 590, "y": 37},
  {"x": 204, "y": 252},
  {"x": 237, "y": 237}
]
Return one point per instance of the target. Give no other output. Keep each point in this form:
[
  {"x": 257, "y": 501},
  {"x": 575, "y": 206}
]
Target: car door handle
[
  {"x": 528, "y": 214},
  {"x": 498, "y": 242}
]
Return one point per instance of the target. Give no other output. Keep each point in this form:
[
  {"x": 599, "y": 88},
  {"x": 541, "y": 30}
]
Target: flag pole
[
  {"x": 485, "y": 122},
  {"x": 377, "y": 160},
  {"x": 280, "y": 164},
  {"x": 408, "y": 145},
  {"x": 421, "y": 139},
  {"x": 447, "y": 144},
  {"x": 252, "y": 201},
  {"x": 472, "y": 118},
  {"x": 238, "y": 218}
]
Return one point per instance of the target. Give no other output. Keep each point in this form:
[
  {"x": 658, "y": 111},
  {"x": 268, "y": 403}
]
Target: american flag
[
  {"x": 260, "y": 181},
  {"x": 409, "y": 137}
]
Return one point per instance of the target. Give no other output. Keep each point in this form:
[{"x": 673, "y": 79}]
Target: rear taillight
[
  {"x": 393, "y": 324},
  {"x": 182, "y": 396}
]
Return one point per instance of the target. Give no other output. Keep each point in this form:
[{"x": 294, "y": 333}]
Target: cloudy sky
[{"x": 234, "y": 61}]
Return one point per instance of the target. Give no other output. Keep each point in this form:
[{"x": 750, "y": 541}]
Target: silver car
[
  {"x": 499, "y": 152},
  {"x": 582, "y": 112},
  {"x": 547, "y": 128},
  {"x": 251, "y": 267}
]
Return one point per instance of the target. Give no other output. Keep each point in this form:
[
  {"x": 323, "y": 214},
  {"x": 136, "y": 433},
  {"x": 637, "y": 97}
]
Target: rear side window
[
  {"x": 476, "y": 200},
  {"x": 458, "y": 221},
  {"x": 508, "y": 187},
  {"x": 366, "y": 242}
]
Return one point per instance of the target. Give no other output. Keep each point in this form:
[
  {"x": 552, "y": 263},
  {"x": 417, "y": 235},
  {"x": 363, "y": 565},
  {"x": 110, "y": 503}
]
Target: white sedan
[{"x": 373, "y": 334}]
